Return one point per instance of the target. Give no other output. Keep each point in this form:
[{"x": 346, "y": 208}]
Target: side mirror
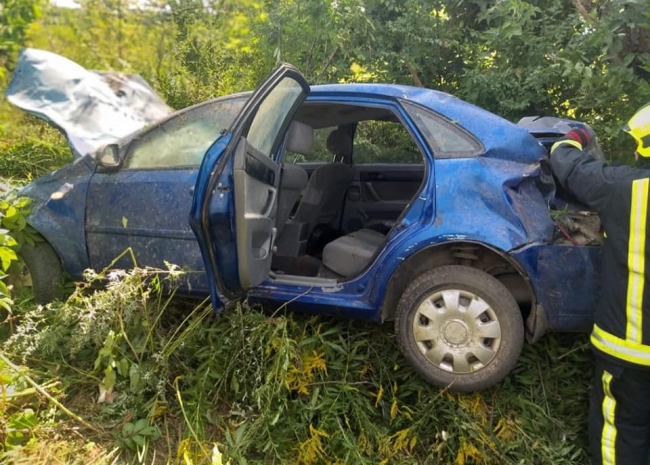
[{"x": 108, "y": 156}]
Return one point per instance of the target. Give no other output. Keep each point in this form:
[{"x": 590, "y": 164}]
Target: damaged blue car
[{"x": 365, "y": 201}]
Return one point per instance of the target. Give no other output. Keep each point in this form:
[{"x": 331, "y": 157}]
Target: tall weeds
[
  {"x": 29, "y": 147},
  {"x": 167, "y": 381}
]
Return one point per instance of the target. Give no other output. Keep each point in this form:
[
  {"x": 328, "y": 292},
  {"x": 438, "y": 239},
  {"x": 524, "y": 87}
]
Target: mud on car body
[{"x": 366, "y": 201}]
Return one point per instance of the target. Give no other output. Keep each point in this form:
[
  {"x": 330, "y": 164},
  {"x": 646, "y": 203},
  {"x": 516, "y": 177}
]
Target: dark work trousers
[{"x": 619, "y": 414}]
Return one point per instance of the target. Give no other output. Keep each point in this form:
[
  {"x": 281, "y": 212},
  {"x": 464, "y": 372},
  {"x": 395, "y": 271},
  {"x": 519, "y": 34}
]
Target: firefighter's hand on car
[{"x": 584, "y": 135}]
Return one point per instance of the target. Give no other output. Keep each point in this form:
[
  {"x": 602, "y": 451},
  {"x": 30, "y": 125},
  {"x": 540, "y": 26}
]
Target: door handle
[
  {"x": 373, "y": 192},
  {"x": 270, "y": 202},
  {"x": 191, "y": 191}
]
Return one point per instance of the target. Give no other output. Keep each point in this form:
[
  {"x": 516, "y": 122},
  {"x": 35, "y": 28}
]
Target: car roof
[{"x": 500, "y": 137}]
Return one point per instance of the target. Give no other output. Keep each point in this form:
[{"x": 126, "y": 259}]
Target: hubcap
[{"x": 457, "y": 331}]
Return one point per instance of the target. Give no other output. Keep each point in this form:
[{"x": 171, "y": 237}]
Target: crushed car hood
[{"x": 92, "y": 108}]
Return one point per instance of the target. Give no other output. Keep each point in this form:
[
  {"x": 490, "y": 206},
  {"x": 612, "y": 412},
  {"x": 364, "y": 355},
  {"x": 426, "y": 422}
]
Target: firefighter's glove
[{"x": 583, "y": 135}]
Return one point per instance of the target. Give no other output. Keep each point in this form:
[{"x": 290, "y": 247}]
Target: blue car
[{"x": 365, "y": 201}]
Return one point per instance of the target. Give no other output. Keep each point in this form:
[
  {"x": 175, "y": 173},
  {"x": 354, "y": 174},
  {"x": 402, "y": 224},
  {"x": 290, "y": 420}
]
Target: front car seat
[{"x": 294, "y": 178}]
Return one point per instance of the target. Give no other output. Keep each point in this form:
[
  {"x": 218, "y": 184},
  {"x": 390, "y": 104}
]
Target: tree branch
[
  {"x": 44, "y": 393},
  {"x": 329, "y": 61},
  {"x": 414, "y": 75}
]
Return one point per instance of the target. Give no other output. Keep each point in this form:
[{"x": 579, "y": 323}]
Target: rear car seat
[{"x": 347, "y": 256}]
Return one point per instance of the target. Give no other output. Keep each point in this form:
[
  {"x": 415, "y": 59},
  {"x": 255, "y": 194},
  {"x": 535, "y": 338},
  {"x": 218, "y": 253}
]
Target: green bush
[{"x": 14, "y": 232}]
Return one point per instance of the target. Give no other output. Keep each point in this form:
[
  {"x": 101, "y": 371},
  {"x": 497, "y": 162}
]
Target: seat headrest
[
  {"x": 339, "y": 142},
  {"x": 300, "y": 138}
]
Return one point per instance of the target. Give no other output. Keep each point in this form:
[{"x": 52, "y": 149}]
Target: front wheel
[
  {"x": 45, "y": 271},
  {"x": 460, "y": 328}
]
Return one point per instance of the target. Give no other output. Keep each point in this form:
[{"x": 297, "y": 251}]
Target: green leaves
[
  {"x": 14, "y": 231},
  {"x": 15, "y": 18},
  {"x": 136, "y": 435},
  {"x": 7, "y": 255},
  {"x": 288, "y": 388},
  {"x": 514, "y": 57},
  {"x": 20, "y": 425},
  {"x": 135, "y": 378}
]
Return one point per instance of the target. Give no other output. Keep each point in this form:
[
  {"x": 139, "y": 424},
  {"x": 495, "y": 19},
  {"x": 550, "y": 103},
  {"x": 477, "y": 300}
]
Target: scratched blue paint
[
  {"x": 566, "y": 282},
  {"x": 498, "y": 199},
  {"x": 59, "y": 209},
  {"x": 147, "y": 211},
  {"x": 220, "y": 238}
]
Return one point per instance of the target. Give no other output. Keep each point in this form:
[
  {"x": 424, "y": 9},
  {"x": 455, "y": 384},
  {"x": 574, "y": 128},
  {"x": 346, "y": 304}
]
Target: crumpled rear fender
[{"x": 501, "y": 203}]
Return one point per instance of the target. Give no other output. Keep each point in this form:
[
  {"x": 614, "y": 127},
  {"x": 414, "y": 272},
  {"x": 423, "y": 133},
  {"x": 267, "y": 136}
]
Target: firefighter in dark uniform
[{"x": 619, "y": 414}]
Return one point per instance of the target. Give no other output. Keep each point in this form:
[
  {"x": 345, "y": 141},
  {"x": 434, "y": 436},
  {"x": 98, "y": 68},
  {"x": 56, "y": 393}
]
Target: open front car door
[{"x": 233, "y": 210}]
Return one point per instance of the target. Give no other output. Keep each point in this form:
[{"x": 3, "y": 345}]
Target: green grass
[
  {"x": 274, "y": 388},
  {"x": 29, "y": 148}
]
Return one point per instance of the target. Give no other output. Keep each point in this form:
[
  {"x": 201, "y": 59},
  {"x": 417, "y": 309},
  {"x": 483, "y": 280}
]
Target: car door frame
[
  {"x": 232, "y": 160},
  {"x": 361, "y": 297}
]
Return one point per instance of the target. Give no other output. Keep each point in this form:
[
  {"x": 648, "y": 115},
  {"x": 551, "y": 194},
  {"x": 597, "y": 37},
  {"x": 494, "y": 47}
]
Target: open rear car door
[{"x": 233, "y": 210}]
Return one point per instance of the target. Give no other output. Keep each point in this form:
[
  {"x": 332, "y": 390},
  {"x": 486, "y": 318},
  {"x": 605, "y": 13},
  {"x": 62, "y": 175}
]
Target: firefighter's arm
[
  {"x": 587, "y": 178},
  {"x": 580, "y": 174}
]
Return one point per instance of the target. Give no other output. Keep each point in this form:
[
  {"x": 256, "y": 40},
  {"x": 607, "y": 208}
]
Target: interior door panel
[
  {"x": 255, "y": 178},
  {"x": 379, "y": 193},
  {"x": 235, "y": 196}
]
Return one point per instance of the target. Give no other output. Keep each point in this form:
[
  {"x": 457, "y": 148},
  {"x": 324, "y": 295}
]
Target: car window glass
[
  {"x": 384, "y": 142},
  {"x": 445, "y": 139},
  {"x": 183, "y": 140},
  {"x": 271, "y": 114},
  {"x": 318, "y": 153}
]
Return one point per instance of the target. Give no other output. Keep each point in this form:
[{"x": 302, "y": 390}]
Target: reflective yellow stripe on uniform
[
  {"x": 620, "y": 348},
  {"x": 572, "y": 142},
  {"x": 608, "y": 435},
  {"x": 636, "y": 260}
]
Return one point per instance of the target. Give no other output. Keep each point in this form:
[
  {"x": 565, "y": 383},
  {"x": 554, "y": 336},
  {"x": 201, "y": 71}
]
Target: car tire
[
  {"x": 45, "y": 271},
  {"x": 460, "y": 328}
]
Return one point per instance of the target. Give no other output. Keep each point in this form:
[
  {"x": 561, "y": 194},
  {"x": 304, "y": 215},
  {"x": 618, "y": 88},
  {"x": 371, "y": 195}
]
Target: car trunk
[
  {"x": 575, "y": 223},
  {"x": 566, "y": 270}
]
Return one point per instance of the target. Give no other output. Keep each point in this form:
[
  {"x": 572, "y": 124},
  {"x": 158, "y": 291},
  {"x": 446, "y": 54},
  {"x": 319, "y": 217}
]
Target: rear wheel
[
  {"x": 459, "y": 327},
  {"x": 44, "y": 269}
]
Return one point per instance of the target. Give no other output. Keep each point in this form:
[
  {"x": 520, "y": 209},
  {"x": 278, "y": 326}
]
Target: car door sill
[{"x": 303, "y": 280}]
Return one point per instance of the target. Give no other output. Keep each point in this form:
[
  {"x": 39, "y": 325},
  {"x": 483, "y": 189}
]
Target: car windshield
[{"x": 183, "y": 139}]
